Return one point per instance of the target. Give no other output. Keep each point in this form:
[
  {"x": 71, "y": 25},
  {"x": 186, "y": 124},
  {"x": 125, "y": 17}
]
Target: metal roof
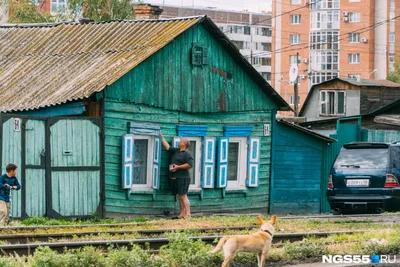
[
  {"x": 49, "y": 64},
  {"x": 307, "y": 131}
]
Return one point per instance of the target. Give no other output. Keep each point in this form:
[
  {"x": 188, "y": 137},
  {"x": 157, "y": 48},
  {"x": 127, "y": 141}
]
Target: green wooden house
[{"x": 82, "y": 106}]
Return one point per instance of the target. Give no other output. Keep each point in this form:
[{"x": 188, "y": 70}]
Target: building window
[
  {"x": 237, "y": 161},
  {"x": 332, "y": 103},
  {"x": 354, "y": 0},
  {"x": 247, "y": 45},
  {"x": 266, "y": 75},
  {"x": 325, "y": 20},
  {"x": 392, "y": 37},
  {"x": 195, "y": 171},
  {"x": 354, "y": 37},
  {"x": 324, "y": 61},
  {"x": 295, "y": 19},
  {"x": 295, "y": 2},
  {"x": 293, "y": 60},
  {"x": 262, "y": 61},
  {"x": 391, "y": 59},
  {"x": 263, "y": 31},
  {"x": 353, "y": 76},
  {"x": 325, "y": 4},
  {"x": 354, "y": 58},
  {"x": 58, "y": 6},
  {"x": 291, "y": 100},
  {"x": 325, "y": 40},
  {"x": 263, "y": 46},
  {"x": 143, "y": 162},
  {"x": 294, "y": 39},
  {"x": 238, "y": 44},
  {"x": 354, "y": 17},
  {"x": 246, "y": 30}
]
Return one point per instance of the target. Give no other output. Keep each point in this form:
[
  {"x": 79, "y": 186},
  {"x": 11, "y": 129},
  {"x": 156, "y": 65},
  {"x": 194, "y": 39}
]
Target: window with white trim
[
  {"x": 354, "y": 16},
  {"x": 354, "y": 37},
  {"x": 325, "y": 4},
  {"x": 353, "y": 76},
  {"x": 58, "y": 6},
  {"x": 324, "y": 40},
  {"x": 332, "y": 103},
  {"x": 266, "y": 75},
  {"x": 263, "y": 46},
  {"x": 392, "y": 37},
  {"x": 293, "y": 60},
  {"x": 295, "y": 19},
  {"x": 292, "y": 100},
  {"x": 143, "y": 162},
  {"x": 391, "y": 59},
  {"x": 263, "y": 31},
  {"x": 354, "y": 58},
  {"x": 294, "y": 39},
  {"x": 322, "y": 20},
  {"x": 237, "y": 162},
  {"x": 262, "y": 61},
  {"x": 295, "y": 2},
  {"x": 195, "y": 171}
]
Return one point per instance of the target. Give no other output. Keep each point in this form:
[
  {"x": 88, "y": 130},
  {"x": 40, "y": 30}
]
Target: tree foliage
[
  {"x": 394, "y": 75},
  {"x": 29, "y": 11}
]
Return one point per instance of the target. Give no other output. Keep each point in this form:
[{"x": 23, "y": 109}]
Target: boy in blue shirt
[{"x": 8, "y": 182}]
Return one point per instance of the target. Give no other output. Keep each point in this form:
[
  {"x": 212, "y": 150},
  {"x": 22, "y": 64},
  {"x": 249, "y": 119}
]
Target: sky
[{"x": 238, "y": 5}]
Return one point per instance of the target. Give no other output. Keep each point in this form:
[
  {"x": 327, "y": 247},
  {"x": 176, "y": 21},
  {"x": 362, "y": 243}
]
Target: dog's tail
[{"x": 219, "y": 246}]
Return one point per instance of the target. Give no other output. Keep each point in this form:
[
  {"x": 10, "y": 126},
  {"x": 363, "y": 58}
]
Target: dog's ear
[
  {"x": 272, "y": 220},
  {"x": 260, "y": 220}
]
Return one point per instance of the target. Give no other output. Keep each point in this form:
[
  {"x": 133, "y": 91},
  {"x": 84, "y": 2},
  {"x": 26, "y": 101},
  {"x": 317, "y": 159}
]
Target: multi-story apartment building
[
  {"x": 334, "y": 38},
  {"x": 250, "y": 32}
]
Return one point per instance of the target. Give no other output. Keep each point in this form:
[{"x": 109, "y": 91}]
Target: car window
[
  {"x": 395, "y": 155},
  {"x": 365, "y": 158}
]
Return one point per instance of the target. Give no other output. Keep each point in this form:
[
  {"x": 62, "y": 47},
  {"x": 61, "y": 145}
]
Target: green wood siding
[
  {"x": 297, "y": 174},
  {"x": 117, "y": 116},
  {"x": 169, "y": 80}
]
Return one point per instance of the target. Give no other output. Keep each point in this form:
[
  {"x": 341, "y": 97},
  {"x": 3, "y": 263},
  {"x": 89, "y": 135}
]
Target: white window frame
[
  {"x": 242, "y": 164},
  {"x": 354, "y": 1},
  {"x": 150, "y": 155},
  {"x": 354, "y": 37},
  {"x": 326, "y": 102},
  {"x": 353, "y": 76},
  {"x": 294, "y": 39},
  {"x": 392, "y": 37},
  {"x": 295, "y": 2},
  {"x": 354, "y": 58},
  {"x": 57, "y": 3},
  {"x": 197, "y": 163},
  {"x": 295, "y": 19},
  {"x": 354, "y": 17}
]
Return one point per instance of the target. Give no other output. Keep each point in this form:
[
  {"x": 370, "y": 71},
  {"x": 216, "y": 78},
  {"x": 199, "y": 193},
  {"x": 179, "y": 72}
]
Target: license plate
[{"x": 357, "y": 182}]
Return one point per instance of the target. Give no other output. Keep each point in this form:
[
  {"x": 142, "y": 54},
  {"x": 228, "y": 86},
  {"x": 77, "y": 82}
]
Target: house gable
[{"x": 169, "y": 80}]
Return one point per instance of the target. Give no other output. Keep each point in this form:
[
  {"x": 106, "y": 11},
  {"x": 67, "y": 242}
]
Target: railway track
[
  {"x": 155, "y": 243},
  {"x": 331, "y": 218}
]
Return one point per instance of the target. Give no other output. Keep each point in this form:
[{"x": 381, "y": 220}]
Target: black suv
[{"x": 364, "y": 178}]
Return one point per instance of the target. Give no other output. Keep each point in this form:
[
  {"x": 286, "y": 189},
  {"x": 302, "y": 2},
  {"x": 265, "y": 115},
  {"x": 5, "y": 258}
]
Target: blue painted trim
[
  {"x": 238, "y": 130},
  {"x": 69, "y": 109},
  {"x": 144, "y": 128},
  {"x": 191, "y": 130}
]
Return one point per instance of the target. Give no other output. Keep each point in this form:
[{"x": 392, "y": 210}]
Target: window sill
[
  {"x": 193, "y": 191},
  {"x": 236, "y": 190}
]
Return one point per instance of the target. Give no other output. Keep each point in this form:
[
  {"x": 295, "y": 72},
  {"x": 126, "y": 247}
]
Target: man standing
[
  {"x": 181, "y": 162},
  {"x": 8, "y": 182}
]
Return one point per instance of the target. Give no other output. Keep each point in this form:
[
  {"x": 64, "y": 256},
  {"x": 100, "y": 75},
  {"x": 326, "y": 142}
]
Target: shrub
[
  {"x": 302, "y": 251},
  {"x": 122, "y": 257}
]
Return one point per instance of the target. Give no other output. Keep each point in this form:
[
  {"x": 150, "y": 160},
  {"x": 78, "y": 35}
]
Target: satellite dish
[{"x": 293, "y": 73}]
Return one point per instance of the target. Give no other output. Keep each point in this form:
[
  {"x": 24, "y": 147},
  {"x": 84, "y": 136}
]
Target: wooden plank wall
[
  {"x": 120, "y": 203},
  {"x": 169, "y": 80}
]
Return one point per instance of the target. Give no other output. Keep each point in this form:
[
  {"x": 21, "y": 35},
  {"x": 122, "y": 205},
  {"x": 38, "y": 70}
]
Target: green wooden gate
[{"x": 58, "y": 165}]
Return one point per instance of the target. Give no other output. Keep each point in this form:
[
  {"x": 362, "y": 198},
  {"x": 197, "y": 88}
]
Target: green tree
[
  {"x": 394, "y": 75},
  {"x": 28, "y": 11}
]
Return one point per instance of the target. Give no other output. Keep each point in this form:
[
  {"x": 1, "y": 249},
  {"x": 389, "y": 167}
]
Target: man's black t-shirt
[{"x": 179, "y": 158}]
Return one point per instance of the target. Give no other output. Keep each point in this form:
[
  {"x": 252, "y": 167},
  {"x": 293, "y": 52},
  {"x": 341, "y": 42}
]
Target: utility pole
[{"x": 296, "y": 90}]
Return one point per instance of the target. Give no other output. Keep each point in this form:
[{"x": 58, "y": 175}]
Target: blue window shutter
[
  {"x": 253, "y": 162},
  {"x": 176, "y": 141},
  {"x": 127, "y": 160},
  {"x": 207, "y": 175},
  {"x": 156, "y": 162},
  {"x": 222, "y": 171}
]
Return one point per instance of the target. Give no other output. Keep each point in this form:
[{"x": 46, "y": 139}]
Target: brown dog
[{"x": 259, "y": 243}]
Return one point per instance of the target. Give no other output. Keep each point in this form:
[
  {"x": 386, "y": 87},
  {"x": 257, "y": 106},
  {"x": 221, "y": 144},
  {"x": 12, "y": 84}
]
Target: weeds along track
[
  {"x": 153, "y": 243},
  {"x": 371, "y": 218}
]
